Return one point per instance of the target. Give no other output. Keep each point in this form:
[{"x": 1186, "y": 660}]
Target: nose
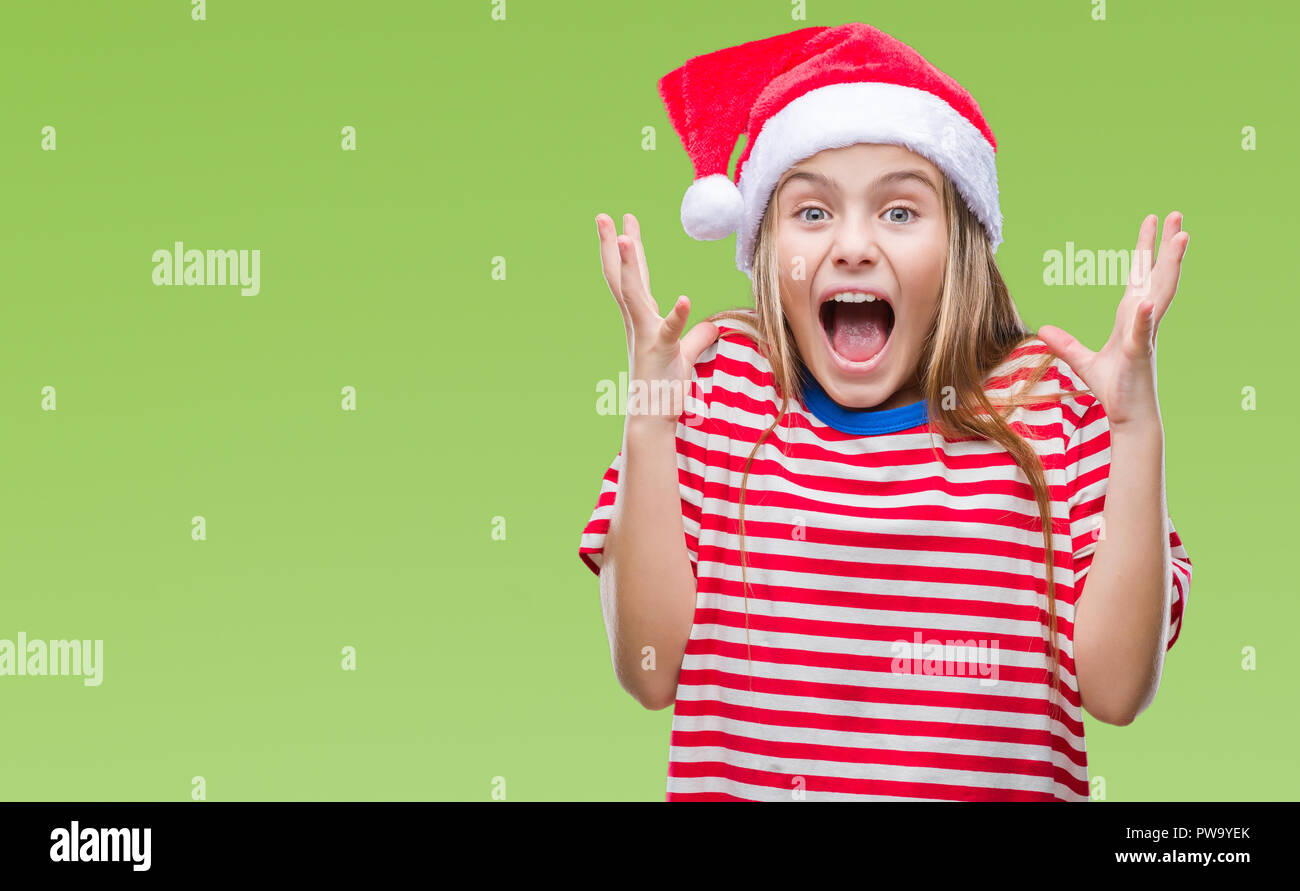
[{"x": 855, "y": 243}]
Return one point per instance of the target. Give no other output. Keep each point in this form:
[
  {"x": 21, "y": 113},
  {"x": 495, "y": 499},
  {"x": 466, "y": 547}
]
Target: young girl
[{"x": 891, "y": 491}]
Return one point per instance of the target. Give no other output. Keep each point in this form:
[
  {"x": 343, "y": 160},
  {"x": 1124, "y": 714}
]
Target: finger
[
  {"x": 675, "y": 321},
  {"x": 633, "y": 228},
  {"x": 698, "y": 340},
  {"x": 1164, "y": 272},
  {"x": 1173, "y": 225},
  {"x": 1164, "y": 278},
  {"x": 1144, "y": 326},
  {"x": 1177, "y": 250},
  {"x": 1065, "y": 346},
  {"x": 611, "y": 266},
  {"x": 1143, "y": 259},
  {"x": 609, "y": 262},
  {"x": 639, "y": 302}
]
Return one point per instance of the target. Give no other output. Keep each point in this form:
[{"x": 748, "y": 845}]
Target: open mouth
[{"x": 857, "y": 328}]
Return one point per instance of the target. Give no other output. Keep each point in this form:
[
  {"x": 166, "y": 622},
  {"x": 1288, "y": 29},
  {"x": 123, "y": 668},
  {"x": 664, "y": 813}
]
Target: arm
[
  {"x": 1120, "y": 628},
  {"x": 647, "y": 588},
  {"x": 1121, "y": 624}
]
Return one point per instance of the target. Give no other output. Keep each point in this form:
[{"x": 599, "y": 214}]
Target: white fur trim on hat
[
  {"x": 848, "y": 113},
  {"x": 712, "y": 208}
]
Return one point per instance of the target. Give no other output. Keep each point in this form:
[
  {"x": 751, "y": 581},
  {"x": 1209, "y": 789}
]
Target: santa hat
[{"x": 816, "y": 88}]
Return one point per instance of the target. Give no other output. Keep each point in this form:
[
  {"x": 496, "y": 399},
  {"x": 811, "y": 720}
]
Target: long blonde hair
[{"x": 976, "y": 328}]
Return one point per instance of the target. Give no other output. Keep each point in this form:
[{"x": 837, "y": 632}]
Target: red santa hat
[{"x": 816, "y": 88}]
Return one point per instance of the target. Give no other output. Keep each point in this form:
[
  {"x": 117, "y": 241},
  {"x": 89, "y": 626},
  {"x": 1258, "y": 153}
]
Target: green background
[{"x": 481, "y": 658}]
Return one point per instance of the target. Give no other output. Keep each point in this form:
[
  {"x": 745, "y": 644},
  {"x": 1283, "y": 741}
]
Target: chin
[{"x": 858, "y": 394}]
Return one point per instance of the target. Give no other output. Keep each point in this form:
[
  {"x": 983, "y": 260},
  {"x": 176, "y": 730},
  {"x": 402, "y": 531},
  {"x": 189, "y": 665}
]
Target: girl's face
[{"x": 862, "y": 218}]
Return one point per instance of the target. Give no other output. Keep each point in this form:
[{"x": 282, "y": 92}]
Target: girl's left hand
[{"x": 1122, "y": 375}]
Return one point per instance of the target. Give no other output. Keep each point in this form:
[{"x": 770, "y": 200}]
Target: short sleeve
[
  {"x": 692, "y": 439},
  {"x": 1087, "y": 468}
]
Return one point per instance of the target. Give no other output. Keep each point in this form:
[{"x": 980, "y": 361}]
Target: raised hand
[
  {"x": 1122, "y": 374},
  {"x": 658, "y": 362}
]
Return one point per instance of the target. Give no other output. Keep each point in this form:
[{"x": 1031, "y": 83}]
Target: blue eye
[
  {"x": 804, "y": 210},
  {"x": 900, "y": 207}
]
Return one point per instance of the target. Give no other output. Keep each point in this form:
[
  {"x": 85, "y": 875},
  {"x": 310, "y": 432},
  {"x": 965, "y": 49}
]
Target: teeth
[{"x": 853, "y": 297}]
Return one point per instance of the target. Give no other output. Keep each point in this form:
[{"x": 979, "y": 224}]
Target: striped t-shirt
[{"x": 897, "y": 607}]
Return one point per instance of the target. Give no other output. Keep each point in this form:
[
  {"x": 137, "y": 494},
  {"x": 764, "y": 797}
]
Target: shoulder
[
  {"x": 1012, "y": 375},
  {"x": 737, "y": 353},
  {"x": 733, "y": 373},
  {"x": 1058, "y": 389}
]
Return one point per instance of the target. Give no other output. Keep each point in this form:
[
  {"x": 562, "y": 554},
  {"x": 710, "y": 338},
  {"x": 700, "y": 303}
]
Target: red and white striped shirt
[{"x": 897, "y": 608}]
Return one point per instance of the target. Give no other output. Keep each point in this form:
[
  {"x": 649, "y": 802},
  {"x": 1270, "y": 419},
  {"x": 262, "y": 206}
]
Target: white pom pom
[{"x": 712, "y": 208}]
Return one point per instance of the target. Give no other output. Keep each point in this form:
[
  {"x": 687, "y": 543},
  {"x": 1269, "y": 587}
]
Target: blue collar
[{"x": 858, "y": 420}]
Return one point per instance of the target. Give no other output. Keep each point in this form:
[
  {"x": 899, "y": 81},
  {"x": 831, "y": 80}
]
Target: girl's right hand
[{"x": 658, "y": 362}]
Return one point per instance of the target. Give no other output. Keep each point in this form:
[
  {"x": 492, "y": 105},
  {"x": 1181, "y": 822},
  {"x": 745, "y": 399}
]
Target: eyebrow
[{"x": 884, "y": 179}]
